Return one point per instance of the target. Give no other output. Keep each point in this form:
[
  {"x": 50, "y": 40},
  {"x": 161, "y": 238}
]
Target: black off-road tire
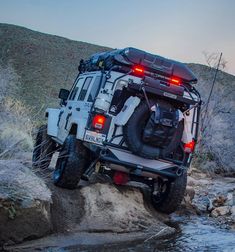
[
  {"x": 133, "y": 130},
  {"x": 173, "y": 195},
  {"x": 44, "y": 149},
  {"x": 70, "y": 163},
  {"x": 133, "y": 134}
]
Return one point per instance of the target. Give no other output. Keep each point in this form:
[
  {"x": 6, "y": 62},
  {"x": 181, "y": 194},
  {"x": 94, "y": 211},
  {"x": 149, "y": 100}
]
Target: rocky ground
[
  {"x": 31, "y": 207},
  {"x": 211, "y": 196}
]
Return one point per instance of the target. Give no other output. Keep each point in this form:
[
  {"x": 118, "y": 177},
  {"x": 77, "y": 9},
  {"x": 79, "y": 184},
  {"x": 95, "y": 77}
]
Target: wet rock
[
  {"x": 189, "y": 194},
  {"x": 220, "y": 211},
  {"x": 202, "y": 202},
  {"x": 116, "y": 209},
  {"x": 24, "y": 203},
  {"x": 230, "y": 199},
  {"x": 219, "y": 201},
  {"x": 233, "y": 211}
]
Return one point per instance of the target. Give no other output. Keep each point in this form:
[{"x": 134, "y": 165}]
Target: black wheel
[
  {"x": 44, "y": 149},
  {"x": 133, "y": 133},
  {"x": 70, "y": 163},
  {"x": 168, "y": 196},
  {"x": 134, "y": 129}
]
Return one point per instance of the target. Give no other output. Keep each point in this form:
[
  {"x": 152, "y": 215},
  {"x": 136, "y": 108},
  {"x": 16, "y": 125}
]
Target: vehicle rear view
[{"x": 130, "y": 115}]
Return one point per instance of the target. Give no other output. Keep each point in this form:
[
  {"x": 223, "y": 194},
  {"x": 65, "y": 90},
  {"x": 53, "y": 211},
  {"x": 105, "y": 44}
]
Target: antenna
[{"x": 213, "y": 84}]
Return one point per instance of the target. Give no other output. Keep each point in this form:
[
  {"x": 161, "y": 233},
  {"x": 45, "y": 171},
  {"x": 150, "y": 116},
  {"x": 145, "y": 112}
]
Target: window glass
[
  {"x": 94, "y": 89},
  {"x": 75, "y": 89},
  {"x": 73, "y": 94},
  {"x": 85, "y": 87}
]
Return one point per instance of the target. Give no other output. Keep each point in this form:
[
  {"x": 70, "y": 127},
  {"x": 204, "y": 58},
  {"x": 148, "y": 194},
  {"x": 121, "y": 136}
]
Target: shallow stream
[{"x": 192, "y": 235}]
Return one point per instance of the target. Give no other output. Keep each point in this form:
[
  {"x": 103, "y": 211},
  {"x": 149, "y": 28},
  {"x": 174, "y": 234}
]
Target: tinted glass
[
  {"x": 85, "y": 87},
  {"x": 75, "y": 89},
  {"x": 73, "y": 94},
  {"x": 94, "y": 89}
]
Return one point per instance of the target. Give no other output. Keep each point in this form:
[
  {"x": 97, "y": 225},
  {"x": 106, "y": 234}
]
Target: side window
[
  {"x": 94, "y": 89},
  {"x": 73, "y": 94},
  {"x": 84, "y": 89},
  {"x": 75, "y": 89}
]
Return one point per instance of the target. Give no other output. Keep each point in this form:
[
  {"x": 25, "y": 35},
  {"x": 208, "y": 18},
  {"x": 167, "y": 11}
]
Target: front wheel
[
  {"x": 44, "y": 149},
  {"x": 70, "y": 163},
  {"x": 169, "y": 194}
]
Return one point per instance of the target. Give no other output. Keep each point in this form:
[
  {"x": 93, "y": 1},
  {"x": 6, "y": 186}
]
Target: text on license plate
[{"x": 94, "y": 137}]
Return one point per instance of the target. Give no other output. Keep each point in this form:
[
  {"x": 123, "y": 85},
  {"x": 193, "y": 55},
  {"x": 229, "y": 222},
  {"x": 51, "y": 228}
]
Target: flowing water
[{"x": 193, "y": 235}]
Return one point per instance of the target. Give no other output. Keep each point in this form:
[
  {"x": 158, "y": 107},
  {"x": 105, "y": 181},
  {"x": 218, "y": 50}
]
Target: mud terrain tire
[
  {"x": 133, "y": 130},
  {"x": 133, "y": 134},
  {"x": 173, "y": 195},
  {"x": 70, "y": 163},
  {"x": 44, "y": 149}
]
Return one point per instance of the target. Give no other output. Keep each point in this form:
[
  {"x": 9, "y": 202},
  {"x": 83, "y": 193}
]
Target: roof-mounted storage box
[{"x": 129, "y": 57}]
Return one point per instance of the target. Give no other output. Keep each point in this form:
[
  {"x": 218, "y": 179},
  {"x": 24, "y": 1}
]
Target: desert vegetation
[{"x": 16, "y": 125}]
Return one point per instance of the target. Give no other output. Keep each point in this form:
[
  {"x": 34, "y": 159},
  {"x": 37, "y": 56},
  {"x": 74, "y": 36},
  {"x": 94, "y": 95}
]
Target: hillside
[
  {"x": 44, "y": 63},
  {"x": 34, "y": 66}
]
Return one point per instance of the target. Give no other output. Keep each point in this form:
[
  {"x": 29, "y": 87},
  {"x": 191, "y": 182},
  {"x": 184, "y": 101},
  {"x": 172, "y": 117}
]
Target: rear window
[{"x": 85, "y": 87}]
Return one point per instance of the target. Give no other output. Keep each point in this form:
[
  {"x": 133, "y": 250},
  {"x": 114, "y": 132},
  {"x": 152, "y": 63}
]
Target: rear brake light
[
  {"x": 138, "y": 70},
  {"x": 98, "y": 122},
  {"x": 175, "y": 81},
  {"x": 189, "y": 147}
]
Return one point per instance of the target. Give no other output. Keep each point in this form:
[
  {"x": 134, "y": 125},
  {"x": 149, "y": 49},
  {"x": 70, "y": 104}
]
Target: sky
[{"x": 176, "y": 29}]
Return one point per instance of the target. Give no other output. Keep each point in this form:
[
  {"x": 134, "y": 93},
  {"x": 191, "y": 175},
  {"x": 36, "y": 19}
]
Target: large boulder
[
  {"x": 116, "y": 209},
  {"x": 24, "y": 203}
]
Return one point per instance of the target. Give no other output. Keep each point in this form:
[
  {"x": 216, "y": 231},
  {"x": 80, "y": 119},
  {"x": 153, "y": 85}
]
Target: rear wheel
[
  {"x": 168, "y": 196},
  {"x": 44, "y": 149},
  {"x": 70, "y": 163}
]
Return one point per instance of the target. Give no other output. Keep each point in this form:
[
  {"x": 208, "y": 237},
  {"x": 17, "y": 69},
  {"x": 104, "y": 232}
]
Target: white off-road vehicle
[{"x": 131, "y": 115}]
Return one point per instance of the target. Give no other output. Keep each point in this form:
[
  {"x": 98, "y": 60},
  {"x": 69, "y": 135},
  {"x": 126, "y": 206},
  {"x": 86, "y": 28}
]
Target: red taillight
[
  {"x": 175, "y": 81},
  {"x": 138, "y": 70},
  {"x": 189, "y": 147},
  {"x": 98, "y": 122},
  {"x": 120, "y": 178}
]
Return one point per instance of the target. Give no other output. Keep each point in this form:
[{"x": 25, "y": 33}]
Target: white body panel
[
  {"x": 52, "y": 127},
  {"x": 76, "y": 112}
]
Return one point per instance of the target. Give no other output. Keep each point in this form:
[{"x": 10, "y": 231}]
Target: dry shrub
[
  {"x": 16, "y": 127},
  {"x": 15, "y": 123}
]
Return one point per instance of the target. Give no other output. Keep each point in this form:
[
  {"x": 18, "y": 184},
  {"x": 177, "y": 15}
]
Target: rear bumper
[{"x": 127, "y": 162}]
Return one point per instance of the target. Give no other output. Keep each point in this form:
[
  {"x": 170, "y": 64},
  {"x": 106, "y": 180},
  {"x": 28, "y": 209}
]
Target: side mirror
[{"x": 63, "y": 94}]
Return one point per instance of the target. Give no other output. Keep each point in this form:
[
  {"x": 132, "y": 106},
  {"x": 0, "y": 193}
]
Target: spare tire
[{"x": 133, "y": 134}]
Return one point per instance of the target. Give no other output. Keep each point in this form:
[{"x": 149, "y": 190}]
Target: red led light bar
[
  {"x": 175, "y": 81},
  {"x": 138, "y": 69}
]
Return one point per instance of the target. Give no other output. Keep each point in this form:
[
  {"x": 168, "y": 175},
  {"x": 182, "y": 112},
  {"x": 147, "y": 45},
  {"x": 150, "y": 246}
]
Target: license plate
[{"x": 94, "y": 137}]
